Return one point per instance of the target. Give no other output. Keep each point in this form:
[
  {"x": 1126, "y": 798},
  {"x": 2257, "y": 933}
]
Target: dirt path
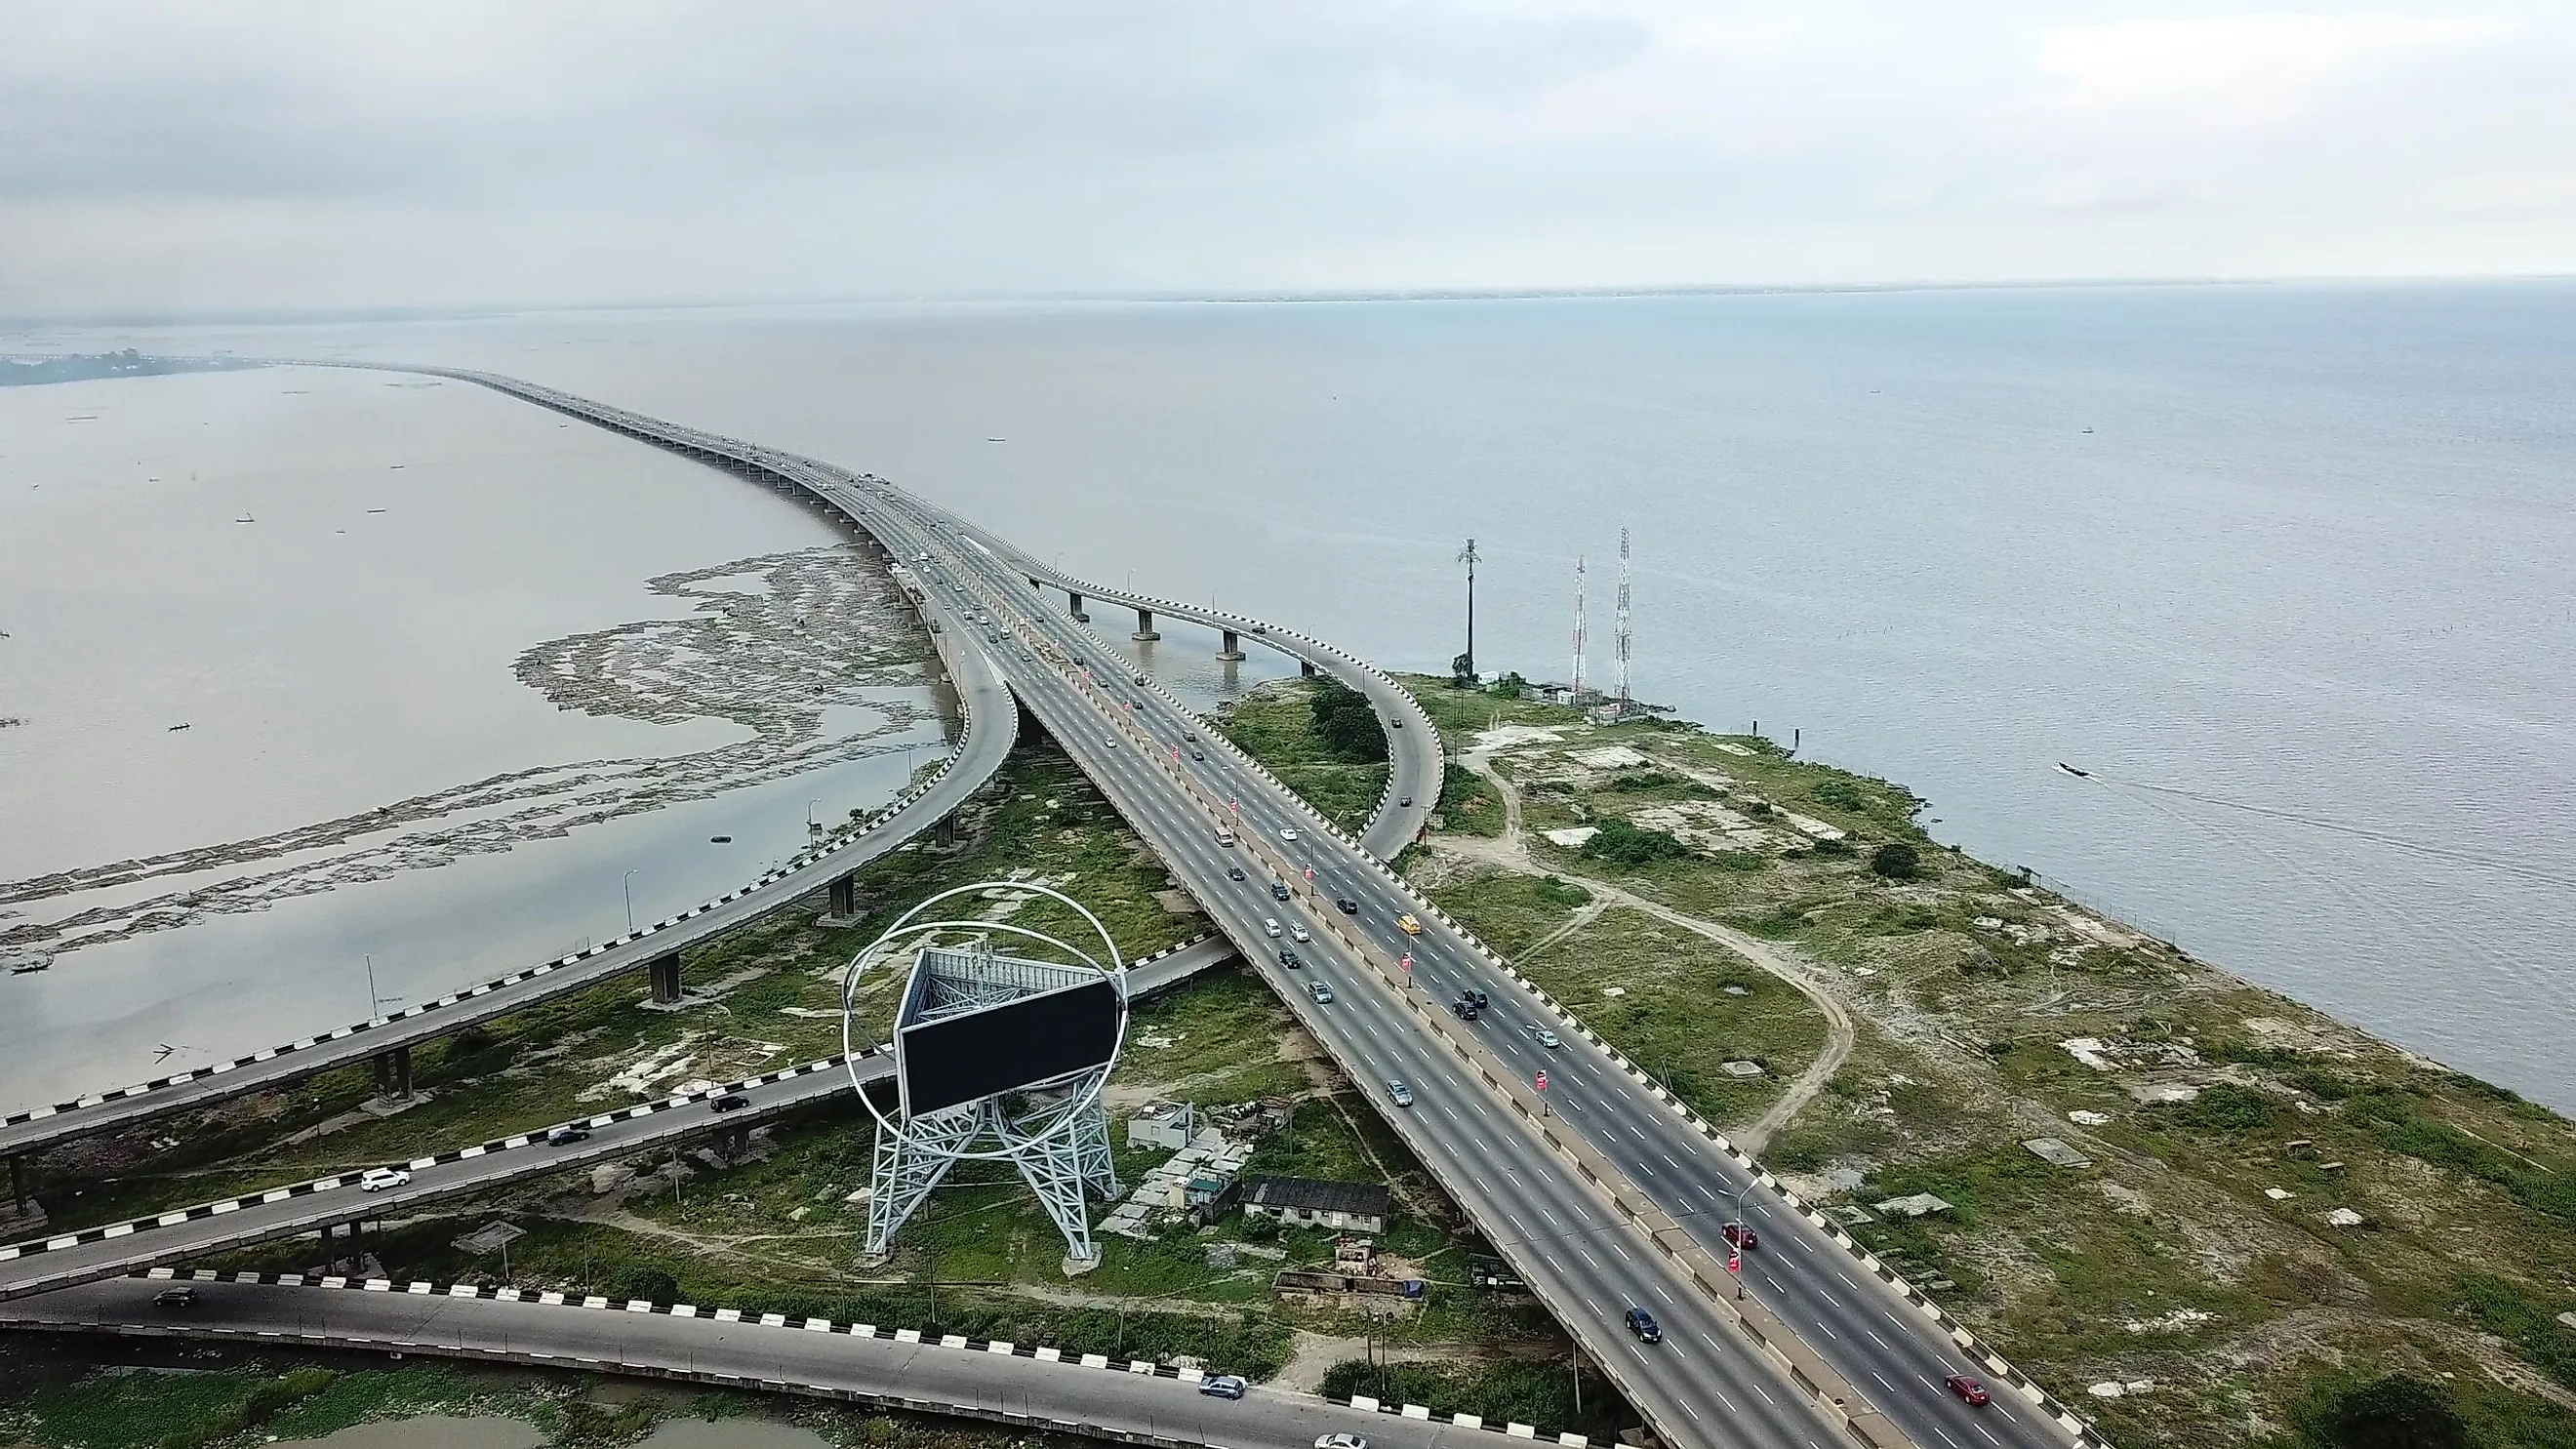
[
  {"x": 1316, "y": 1354},
  {"x": 1511, "y": 852}
]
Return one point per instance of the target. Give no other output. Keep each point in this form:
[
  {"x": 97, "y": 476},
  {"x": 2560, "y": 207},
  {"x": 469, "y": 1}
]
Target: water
[
  {"x": 368, "y": 804},
  {"x": 2311, "y": 557}
]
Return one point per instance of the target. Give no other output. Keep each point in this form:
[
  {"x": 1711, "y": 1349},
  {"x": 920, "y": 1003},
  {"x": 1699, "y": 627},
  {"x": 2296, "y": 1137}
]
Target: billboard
[{"x": 948, "y": 1060}]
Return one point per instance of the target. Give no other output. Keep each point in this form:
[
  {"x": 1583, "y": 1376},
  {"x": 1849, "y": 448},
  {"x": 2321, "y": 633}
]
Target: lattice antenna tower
[
  {"x": 1580, "y": 639},
  {"x": 1624, "y": 642}
]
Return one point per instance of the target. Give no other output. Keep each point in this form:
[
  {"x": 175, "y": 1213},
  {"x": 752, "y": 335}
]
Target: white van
[
  {"x": 1270, "y": 928},
  {"x": 1224, "y": 836}
]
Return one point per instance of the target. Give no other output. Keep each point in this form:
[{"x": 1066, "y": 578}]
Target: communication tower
[
  {"x": 1580, "y": 649},
  {"x": 996, "y": 1059},
  {"x": 1623, "y": 640}
]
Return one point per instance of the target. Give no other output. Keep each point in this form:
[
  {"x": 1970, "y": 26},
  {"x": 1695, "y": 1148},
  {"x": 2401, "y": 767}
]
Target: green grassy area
[{"x": 1275, "y": 725}]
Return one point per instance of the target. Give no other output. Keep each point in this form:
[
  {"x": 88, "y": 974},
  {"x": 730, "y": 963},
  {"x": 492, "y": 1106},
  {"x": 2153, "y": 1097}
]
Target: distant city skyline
[{"x": 175, "y": 160}]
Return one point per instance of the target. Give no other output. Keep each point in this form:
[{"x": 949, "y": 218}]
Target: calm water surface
[{"x": 2289, "y": 567}]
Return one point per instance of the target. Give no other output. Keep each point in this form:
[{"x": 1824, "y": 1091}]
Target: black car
[
  {"x": 567, "y": 1136},
  {"x": 175, "y": 1298},
  {"x": 1289, "y": 959},
  {"x": 1198, "y": 754},
  {"x": 1279, "y": 890},
  {"x": 1234, "y": 872},
  {"x": 1642, "y": 1324},
  {"x": 1478, "y": 997},
  {"x": 731, "y": 1102},
  {"x": 1403, "y": 800},
  {"x": 1463, "y": 1010},
  {"x": 1348, "y": 906}
]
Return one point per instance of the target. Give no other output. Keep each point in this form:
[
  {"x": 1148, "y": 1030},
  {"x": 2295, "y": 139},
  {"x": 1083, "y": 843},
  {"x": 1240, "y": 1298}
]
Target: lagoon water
[{"x": 2287, "y": 567}]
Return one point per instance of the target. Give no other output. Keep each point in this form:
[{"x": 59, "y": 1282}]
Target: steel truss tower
[
  {"x": 1057, "y": 1164},
  {"x": 1623, "y": 639},
  {"x": 1580, "y": 641}
]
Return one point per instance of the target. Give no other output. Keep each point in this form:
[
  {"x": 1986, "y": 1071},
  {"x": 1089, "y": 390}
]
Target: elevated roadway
[
  {"x": 1004, "y": 1383},
  {"x": 1599, "y": 1192}
]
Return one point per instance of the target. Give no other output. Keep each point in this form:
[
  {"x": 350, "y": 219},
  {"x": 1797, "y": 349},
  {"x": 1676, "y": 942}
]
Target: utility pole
[{"x": 1470, "y": 558}]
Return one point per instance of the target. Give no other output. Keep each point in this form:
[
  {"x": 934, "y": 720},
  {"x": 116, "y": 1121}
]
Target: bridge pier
[
  {"x": 1144, "y": 627},
  {"x": 1073, "y": 606},
  {"x": 1305, "y": 668},
  {"x": 1232, "y": 652},
  {"x": 393, "y": 1072},
  {"x": 666, "y": 978},
  {"x": 22, "y": 1181}
]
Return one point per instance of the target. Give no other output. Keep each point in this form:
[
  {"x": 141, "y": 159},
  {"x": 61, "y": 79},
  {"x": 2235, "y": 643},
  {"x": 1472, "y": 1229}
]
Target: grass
[{"x": 1272, "y": 724}]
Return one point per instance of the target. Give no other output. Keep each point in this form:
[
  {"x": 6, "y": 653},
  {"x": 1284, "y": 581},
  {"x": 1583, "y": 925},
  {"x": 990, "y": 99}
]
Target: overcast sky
[{"x": 192, "y": 156}]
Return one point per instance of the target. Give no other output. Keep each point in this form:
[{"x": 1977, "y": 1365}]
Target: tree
[
  {"x": 1342, "y": 718},
  {"x": 1626, "y": 844},
  {"x": 1462, "y": 672},
  {"x": 1896, "y": 860},
  {"x": 1509, "y": 686},
  {"x": 2395, "y": 1412}
]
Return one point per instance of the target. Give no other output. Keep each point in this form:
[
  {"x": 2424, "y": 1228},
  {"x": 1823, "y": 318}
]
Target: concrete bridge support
[
  {"x": 22, "y": 1182},
  {"x": 1232, "y": 651},
  {"x": 666, "y": 978},
  {"x": 1144, "y": 627},
  {"x": 1073, "y": 605},
  {"x": 393, "y": 1072},
  {"x": 1305, "y": 668},
  {"x": 845, "y": 896}
]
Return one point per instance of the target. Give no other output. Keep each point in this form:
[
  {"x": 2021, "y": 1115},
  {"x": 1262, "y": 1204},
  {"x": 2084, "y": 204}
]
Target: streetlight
[
  {"x": 811, "y": 827},
  {"x": 628, "y": 883}
]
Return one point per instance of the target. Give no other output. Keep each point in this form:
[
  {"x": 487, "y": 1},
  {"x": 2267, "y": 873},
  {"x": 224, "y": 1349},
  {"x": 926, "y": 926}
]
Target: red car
[
  {"x": 1968, "y": 1388},
  {"x": 1742, "y": 1236}
]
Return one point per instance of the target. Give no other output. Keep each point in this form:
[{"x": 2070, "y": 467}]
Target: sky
[{"x": 187, "y": 158}]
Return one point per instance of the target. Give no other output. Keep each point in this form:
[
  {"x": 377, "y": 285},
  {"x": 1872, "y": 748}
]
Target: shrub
[
  {"x": 1896, "y": 860},
  {"x": 1625, "y": 844},
  {"x": 2229, "y": 1110},
  {"x": 2395, "y": 1412}
]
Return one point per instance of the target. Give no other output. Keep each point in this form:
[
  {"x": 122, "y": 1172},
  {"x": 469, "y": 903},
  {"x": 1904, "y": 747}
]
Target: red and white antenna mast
[
  {"x": 1580, "y": 642},
  {"x": 1624, "y": 641}
]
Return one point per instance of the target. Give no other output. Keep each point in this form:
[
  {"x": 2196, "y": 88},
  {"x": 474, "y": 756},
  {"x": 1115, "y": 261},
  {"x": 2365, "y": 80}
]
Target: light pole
[
  {"x": 628, "y": 883},
  {"x": 375, "y": 1007},
  {"x": 811, "y": 827}
]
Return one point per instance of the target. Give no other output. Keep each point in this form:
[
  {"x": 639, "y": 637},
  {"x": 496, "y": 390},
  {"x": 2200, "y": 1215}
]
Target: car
[
  {"x": 377, "y": 1179},
  {"x": 1347, "y": 906},
  {"x": 1198, "y": 754},
  {"x": 1112, "y": 740},
  {"x": 1403, "y": 800},
  {"x": 1299, "y": 935},
  {"x": 1342, "y": 1441},
  {"x": 1967, "y": 1388},
  {"x": 1643, "y": 1324},
  {"x": 1402, "y": 1094},
  {"x": 175, "y": 1298},
  {"x": 1320, "y": 990},
  {"x": 1398, "y": 722},
  {"x": 1543, "y": 1036},
  {"x": 1222, "y": 1386},
  {"x": 1270, "y": 928},
  {"x": 730, "y": 1102},
  {"x": 1463, "y": 1010},
  {"x": 1471, "y": 994},
  {"x": 1140, "y": 679},
  {"x": 1408, "y": 924},
  {"x": 1742, "y": 1235},
  {"x": 1235, "y": 872},
  {"x": 1289, "y": 959},
  {"x": 1191, "y": 736},
  {"x": 1288, "y": 833},
  {"x": 567, "y": 1136},
  {"x": 1279, "y": 890}
]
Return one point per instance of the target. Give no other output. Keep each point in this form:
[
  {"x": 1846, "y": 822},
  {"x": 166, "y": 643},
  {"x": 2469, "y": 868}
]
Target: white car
[
  {"x": 1298, "y": 935},
  {"x": 1270, "y": 928},
  {"x": 1342, "y": 1441},
  {"x": 377, "y": 1179},
  {"x": 1544, "y": 1037},
  {"x": 1289, "y": 833}
]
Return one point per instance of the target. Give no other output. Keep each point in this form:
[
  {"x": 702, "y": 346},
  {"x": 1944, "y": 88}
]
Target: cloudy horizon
[{"x": 160, "y": 159}]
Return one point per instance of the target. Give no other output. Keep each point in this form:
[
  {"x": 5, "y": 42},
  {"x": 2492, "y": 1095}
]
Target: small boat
[
  {"x": 720, "y": 840},
  {"x": 2088, "y": 430},
  {"x": 997, "y": 440},
  {"x": 245, "y": 518},
  {"x": 2078, "y": 774},
  {"x": 375, "y": 510},
  {"x": 31, "y": 968},
  {"x": 174, "y": 729},
  {"x": 398, "y": 467}
]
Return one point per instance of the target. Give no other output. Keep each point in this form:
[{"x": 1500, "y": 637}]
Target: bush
[
  {"x": 1896, "y": 860},
  {"x": 1341, "y": 718},
  {"x": 1557, "y": 891},
  {"x": 2395, "y": 1412},
  {"x": 1625, "y": 844},
  {"x": 2229, "y": 1110}
]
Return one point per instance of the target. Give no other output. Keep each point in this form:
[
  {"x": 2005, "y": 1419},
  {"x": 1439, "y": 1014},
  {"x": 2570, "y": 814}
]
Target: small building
[
  {"x": 1358, "y": 1207},
  {"x": 1167, "y": 1125}
]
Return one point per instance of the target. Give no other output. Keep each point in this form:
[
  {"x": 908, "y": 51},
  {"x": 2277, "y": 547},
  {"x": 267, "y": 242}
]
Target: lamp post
[{"x": 627, "y": 882}]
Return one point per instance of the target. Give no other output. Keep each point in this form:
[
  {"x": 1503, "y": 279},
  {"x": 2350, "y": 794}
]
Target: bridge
[{"x": 1603, "y": 1193}]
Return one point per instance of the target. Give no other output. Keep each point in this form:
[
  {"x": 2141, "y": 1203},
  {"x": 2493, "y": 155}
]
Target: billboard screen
[{"x": 1035, "y": 1039}]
